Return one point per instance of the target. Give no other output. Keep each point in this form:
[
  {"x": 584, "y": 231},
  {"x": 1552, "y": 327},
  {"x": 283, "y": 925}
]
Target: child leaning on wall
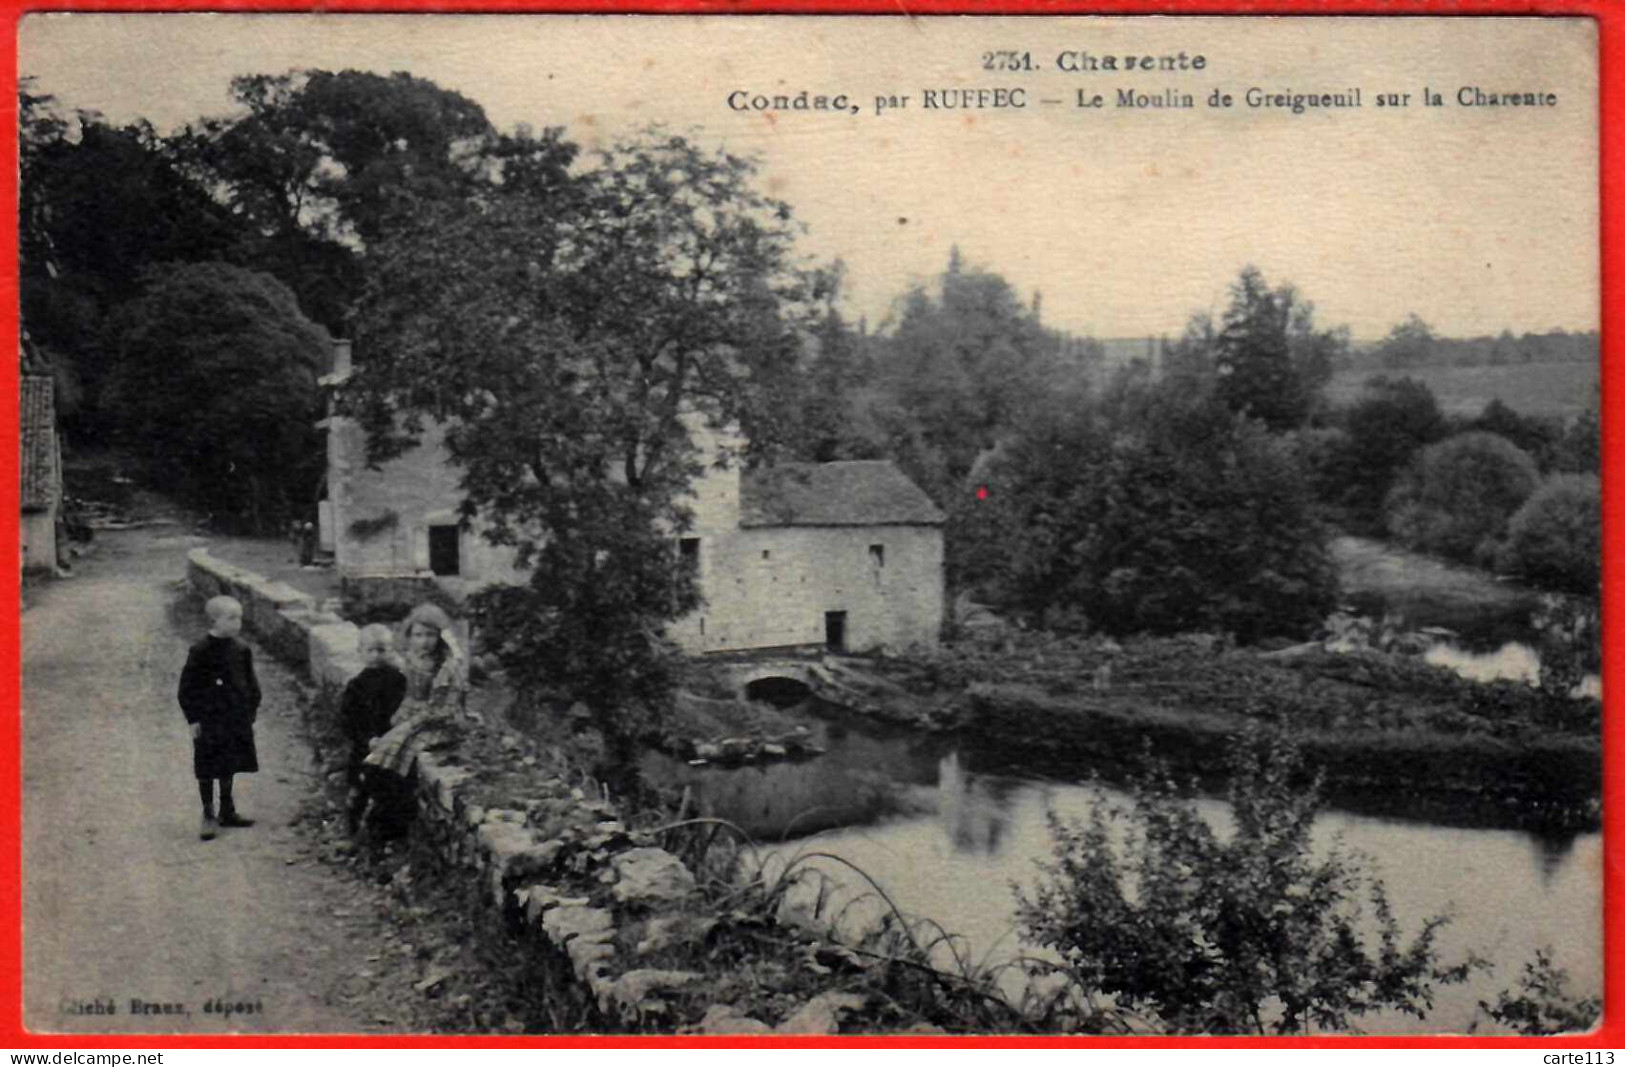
[
  {"x": 434, "y": 706},
  {"x": 369, "y": 704}
]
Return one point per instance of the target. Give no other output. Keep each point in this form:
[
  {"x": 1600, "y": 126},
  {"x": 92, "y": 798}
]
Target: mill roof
[
  {"x": 37, "y": 416},
  {"x": 847, "y": 493}
]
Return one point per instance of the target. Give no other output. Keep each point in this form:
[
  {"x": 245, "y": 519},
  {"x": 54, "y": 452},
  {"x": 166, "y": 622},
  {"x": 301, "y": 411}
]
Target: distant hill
[
  {"x": 1552, "y": 374},
  {"x": 1558, "y": 389}
]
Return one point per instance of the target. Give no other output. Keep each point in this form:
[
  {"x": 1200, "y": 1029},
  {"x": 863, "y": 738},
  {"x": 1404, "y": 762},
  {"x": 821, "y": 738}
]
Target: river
[
  {"x": 947, "y": 842},
  {"x": 1478, "y": 626}
]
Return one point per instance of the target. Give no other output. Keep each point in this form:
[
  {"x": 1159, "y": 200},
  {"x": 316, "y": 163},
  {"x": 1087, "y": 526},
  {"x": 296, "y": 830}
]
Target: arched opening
[{"x": 779, "y": 691}]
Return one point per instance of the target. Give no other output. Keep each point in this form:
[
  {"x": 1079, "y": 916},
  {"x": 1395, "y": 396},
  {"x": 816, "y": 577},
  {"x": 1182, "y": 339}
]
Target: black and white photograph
[{"x": 550, "y": 524}]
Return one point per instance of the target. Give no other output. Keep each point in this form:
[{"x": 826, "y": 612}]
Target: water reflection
[
  {"x": 1488, "y": 643},
  {"x": 862, "y": 777},
  {"x": 1508, "y": 893},
  {"x": 974, "y": 809},
  {"x": 948, "y": 842}
]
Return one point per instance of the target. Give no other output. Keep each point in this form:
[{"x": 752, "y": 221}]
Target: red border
[{"x": 1610, "y": 19}]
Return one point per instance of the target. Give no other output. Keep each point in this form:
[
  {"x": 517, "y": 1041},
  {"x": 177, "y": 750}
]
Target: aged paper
[{"x": 1117, "y": 173}]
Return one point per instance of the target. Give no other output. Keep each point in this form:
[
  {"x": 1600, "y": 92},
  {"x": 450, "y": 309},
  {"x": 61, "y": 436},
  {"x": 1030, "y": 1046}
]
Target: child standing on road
[
  {"x": 220, "y": 697},
  {"x": 370, "y": 701},
  {"x": 436, "y": 691}
]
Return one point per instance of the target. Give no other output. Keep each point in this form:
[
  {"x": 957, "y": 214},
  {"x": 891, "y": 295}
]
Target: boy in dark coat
[
  {"x": 370, "y": 702},
  {"x": 220, "y": 697}
]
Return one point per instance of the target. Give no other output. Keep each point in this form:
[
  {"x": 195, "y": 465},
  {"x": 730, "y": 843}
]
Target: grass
[
  {"x": 1554, "y": 389},
  {"x": 785, "y": 934},
  {"x": 1366, "y": 567}
]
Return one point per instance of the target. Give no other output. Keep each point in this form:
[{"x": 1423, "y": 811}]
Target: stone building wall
[
  {"x": 765, "y": 587},
  {"x": 382, "y": 518},
  {"x": 771, "y": 587}
]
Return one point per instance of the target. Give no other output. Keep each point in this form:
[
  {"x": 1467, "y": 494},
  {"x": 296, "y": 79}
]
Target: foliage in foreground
[
  {"x": 1253, "y": 934},
  {"x": 1543, "y": 1004}
]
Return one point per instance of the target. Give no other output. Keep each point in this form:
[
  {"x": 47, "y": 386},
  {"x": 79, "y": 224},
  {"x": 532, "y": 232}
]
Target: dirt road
[{"x": 124, "y": 907}]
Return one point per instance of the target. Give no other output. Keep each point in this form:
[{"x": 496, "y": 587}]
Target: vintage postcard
[{"x": 556, "y": 524}]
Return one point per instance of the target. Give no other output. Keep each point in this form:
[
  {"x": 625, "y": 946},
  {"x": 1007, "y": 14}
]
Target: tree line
[
  {"x": 564, "y": 313},
  {"x": 567, "y": 315}
]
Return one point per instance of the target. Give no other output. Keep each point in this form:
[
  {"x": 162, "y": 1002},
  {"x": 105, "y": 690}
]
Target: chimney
[{"x": 342, "y": 364}]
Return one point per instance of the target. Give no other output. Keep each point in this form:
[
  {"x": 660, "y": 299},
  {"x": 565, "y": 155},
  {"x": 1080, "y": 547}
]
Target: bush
[
  {"x": 1252, "y": 935},
  {"x": 1457, "y": 496},
  {"x": 1555, "y": 538},
  {"x": 1543, "y": 1004}
]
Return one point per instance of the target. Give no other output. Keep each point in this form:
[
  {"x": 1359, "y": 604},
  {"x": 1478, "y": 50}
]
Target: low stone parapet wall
[
  {"x": 279, "y": 616},
  {"x": 600, "y": 904}
]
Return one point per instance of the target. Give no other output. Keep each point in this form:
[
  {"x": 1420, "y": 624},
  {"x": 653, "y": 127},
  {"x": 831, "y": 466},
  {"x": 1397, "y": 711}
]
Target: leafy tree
[
  {"x": 320, "y": 165},
  {"x": 342, "y": 154},
  {"x": 1250, "y": 934},
  {"x": 961, "y": 370},
  {"x": 1154, "y": 511},
  {"x": 1579, "y": 449},
  {"x": 1386, "y": 426},
  {"x": 215, "y": 387},
  {"x": 1536, "y": 436},
  {"x": 1411, "y": 343},
  {"x": 1555, "y": 538},
  {"x": 585, "y": 320},
  {"x": 1457, "y": 496},
  {"x": 85, "y": 242},
  {"x": 1271, "y": 361},
  {"x": 828, "y": 389},
  {"x": 1189, "y": 364}
]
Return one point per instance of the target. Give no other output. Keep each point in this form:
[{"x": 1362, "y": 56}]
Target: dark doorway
[
  {"x": 688, "y": 553},
  {"x": 443, "y": 550},
  {"x": 835, "y": 631}
]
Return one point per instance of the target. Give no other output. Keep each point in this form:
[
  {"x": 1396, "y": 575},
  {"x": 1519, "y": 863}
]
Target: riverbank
[{"x": 1390, "y": 734}]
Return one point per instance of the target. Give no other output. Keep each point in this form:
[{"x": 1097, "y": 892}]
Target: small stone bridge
[{"x": 781, "y": 676}]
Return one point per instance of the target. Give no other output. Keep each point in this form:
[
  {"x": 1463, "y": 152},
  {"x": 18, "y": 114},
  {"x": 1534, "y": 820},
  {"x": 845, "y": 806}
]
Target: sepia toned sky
[{"x": 1475, "y": 218}]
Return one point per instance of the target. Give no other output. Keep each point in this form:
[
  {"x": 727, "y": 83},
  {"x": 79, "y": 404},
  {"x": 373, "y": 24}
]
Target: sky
[{"x": 1127, "y": 219}]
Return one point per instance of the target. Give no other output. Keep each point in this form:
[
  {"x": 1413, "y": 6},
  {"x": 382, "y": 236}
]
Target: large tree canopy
[
  {"x": 320, "y": 165},
  {"x": 1156, "y": 511},
  {"x": 340, "y": 154},
  {"x": 85, "y": 242},
  {"x": 962, "y": 369},
  {"x": 564, "y": 331},
  {"x": 216, "y": 386}
]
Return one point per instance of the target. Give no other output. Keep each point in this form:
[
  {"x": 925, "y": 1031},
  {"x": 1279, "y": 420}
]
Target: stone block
[
  {"x": 332, "y": 652},
  {"x": 563, "y": 924},
  {"x": 727, "y": 1019},
  {"x": 588, "y": 955},
  {"x": 674, "y": 931},
  {"x": 513, "y": 849},
  {"x": 538, "y": 900},
  {"x": 633, "y": 993},
  {"x": 822, "y": 1014},
  {"x": 651, "y": 877}
]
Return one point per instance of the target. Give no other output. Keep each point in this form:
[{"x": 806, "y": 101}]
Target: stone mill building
[{"x": 846, "y": 556}]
